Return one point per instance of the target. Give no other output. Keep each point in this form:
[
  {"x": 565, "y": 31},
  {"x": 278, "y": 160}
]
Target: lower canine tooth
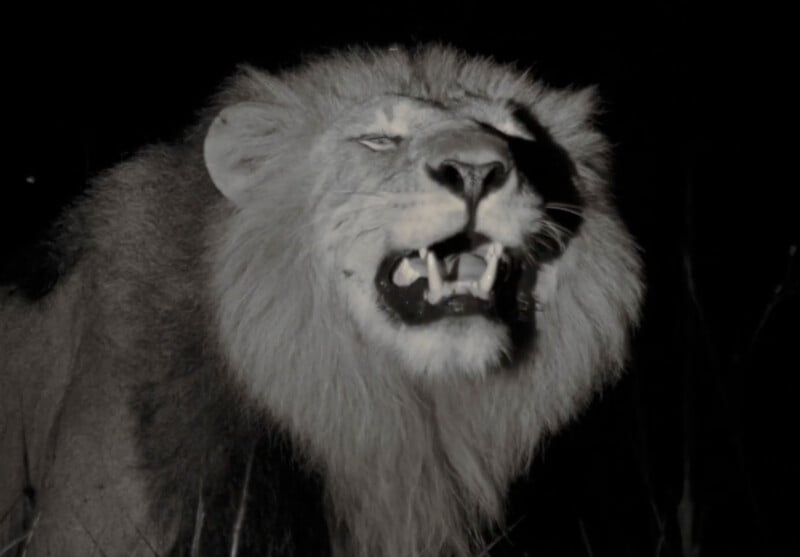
[{"x": 433, "y": 297}]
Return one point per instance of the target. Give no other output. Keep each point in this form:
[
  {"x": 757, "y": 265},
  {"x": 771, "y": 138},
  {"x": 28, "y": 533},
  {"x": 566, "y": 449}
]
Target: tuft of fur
[{"x": 194, "y": 334}]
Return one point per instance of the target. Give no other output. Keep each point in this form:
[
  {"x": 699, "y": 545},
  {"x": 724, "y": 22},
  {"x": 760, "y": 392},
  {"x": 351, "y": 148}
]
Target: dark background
[{"x": 692, "y": 453}]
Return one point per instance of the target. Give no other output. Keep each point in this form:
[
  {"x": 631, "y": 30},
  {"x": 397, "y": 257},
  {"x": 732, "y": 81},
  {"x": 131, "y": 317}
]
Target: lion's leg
[{"x": 68, "y": 473}]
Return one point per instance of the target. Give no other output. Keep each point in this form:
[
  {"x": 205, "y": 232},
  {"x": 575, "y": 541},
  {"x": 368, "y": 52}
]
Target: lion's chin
[
  {"x": 454, "y": 347},
  {"x": 465, "y": 345}
]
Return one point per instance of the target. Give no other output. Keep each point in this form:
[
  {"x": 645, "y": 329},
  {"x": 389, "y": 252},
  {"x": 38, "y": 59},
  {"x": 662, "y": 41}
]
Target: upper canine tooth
[
  {"x": 405, "y": 274},
  {"x": 434, "y": 278},
  {"x": 489, "y": 275}
]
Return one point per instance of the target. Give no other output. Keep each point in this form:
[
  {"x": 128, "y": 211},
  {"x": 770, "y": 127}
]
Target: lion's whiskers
[
  {"x": 555, "y": 232},
  {"x": 562, "y": 231},
  {"x": 576, "y": 210}
]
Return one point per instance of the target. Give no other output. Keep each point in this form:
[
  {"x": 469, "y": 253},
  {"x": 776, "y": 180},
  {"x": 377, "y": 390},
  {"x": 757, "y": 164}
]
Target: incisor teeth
[
  {"x": 423, "y": 253},
  {"x": 461, "y": 287}
]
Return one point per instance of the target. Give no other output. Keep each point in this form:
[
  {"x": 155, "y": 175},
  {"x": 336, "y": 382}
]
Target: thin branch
[
  {"x": 90, "y": 535},
  {"x": 13, "y": 543},
  {"x": 146, "y": 541},
  {"x": 7, "y": 512},
  {"x": 503, "y": 535},
  {"x": 29, "y": 535},
  {"x": 237, "y": 527},
  {"x": 686, "y": 513},
  {"x": 781, "y": 291},
  {"x": 585, "y": 538},
  {"x": 199, "y": 519}
]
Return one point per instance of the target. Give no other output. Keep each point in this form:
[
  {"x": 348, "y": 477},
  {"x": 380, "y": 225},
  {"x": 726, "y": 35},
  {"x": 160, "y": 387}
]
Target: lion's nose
[
  {"x": 470, "y": 164},
  {"x": 468, "y": 180}
]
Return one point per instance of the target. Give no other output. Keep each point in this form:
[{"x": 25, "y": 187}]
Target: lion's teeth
[
  {"x": 490, "y": 274},
  {"x": 435, "y": 292},
  {"x": 438, "y": 288},
  {"x": 461, "y": 287},
  {"x": 405, "y": 274}
]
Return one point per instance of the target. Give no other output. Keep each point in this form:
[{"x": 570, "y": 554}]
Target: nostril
[
  {"x": 451, "y": 175},
  {"x": 494, "y": 177},
  {"x": 448, "y": 174}
]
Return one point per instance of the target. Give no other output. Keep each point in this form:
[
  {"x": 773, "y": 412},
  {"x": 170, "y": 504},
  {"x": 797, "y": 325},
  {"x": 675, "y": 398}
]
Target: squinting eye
[{"x": 380, "y": 142}]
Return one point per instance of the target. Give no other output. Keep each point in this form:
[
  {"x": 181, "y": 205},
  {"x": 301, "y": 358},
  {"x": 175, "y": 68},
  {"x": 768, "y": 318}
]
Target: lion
[{"x": 335, "y": 318}]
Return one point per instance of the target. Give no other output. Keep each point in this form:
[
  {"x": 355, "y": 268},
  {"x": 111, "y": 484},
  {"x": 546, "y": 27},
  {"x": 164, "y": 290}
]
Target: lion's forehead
[
  {"x": 398, "y": 115},
  {"x": 394, "y": 114}
]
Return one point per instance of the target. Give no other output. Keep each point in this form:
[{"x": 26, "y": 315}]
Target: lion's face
[{"x": 429, "y": 226}]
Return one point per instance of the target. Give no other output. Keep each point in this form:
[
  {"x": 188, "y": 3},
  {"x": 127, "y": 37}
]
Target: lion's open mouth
[{"x": 465, "y": 274}]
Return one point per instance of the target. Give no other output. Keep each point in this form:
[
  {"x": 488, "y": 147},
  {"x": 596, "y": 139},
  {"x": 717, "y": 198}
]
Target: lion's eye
[{"x": 380, "y": 142}]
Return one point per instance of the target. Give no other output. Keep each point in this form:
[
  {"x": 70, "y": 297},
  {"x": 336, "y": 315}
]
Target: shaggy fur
[{"x": 201, "y": 350}]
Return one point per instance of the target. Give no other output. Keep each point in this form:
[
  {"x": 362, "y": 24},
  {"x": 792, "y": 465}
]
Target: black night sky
[{"x": 691, "y": 453}]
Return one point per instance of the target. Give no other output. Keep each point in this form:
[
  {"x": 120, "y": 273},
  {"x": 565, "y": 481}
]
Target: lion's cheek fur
[{"x": 582, "y": 332}]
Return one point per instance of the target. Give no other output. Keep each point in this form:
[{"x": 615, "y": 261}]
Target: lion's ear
[{"x": 237, "y": 144}]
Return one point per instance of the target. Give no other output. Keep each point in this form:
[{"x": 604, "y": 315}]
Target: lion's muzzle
[{"x": 470, "y": 272}]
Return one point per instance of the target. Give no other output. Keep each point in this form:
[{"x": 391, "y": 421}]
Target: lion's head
[
  {"x": 435, "y": 201},
  {"x": 419, "y": 272}
]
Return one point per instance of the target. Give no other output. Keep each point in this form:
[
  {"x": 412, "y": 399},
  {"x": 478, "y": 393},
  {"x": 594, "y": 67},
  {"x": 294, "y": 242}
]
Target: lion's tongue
[{"x": 464, "y": 267}]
